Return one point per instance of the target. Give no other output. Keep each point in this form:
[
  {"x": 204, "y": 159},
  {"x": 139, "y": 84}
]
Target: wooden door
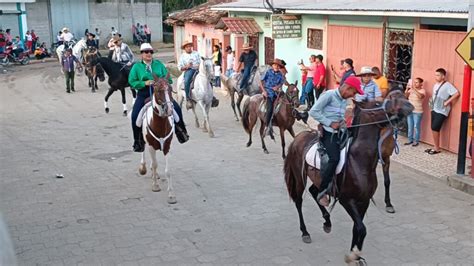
[
  {"x": 269, "y": 50},
  {"x": 195, "y": 43}
]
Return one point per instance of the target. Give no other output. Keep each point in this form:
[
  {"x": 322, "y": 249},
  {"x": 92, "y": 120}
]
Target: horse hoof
[
  {"x": 93, "y": 91},
  {"x": 306, "y": 239},
  {"x": 390, "y": 209},
  {"x": 353, "y": 257},
  {"x": 125, "y": 113},
  {"x": 142, "y": 169},
  {"x": 172, "y": 200},
  {"x": 107, "y": 110},
  {"x": 211, "y": 134},
  {"x": 249, "y": 143},
  {"x": 327, "y": 228},
  {"x": 197, "y": 125},
  {"x": 204, "y": 130},
  {"x": 265, "y": 151},
  {"x": 155, "y": 188}
]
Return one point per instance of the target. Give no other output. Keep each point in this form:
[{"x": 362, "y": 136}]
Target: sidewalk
[{"x": 441, "y": 167}]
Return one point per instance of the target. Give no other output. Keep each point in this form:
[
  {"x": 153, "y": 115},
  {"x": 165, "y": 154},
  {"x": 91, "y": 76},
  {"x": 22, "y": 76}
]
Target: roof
[
  {"x": 330, "y": 6},
  {"x": 239, "y": 25},
  {"x": 198, "y": 14}
]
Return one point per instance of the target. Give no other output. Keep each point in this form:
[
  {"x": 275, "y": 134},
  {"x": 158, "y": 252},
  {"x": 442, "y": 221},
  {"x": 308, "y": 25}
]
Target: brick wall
[{"x": 38, "y": 19}]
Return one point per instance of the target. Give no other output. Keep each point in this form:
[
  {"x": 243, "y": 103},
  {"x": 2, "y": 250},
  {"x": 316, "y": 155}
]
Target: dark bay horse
[
  {"x": 118, "y": 80},
  {"x": 93, "y": 71},
  {"x": 158, "y": 128},
  {"x": 284, "y": 118},
  {"x": 357, "y": 182}
]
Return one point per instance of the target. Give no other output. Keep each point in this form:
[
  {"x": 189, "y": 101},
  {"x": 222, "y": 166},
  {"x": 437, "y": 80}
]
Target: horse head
[
  {"x": 399, "y": 106},
  {"x": 292, "y": 95},
  {"x": 206, "y": 67},
  {"x": 162, "y": 96}
]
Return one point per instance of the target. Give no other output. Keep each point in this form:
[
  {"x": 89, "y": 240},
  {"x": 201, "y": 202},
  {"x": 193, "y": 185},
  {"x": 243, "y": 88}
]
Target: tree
[{"x": 175, "y": 5}]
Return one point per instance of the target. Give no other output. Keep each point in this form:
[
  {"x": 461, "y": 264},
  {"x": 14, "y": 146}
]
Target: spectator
[
  {"x": 41, "y": 52},
  {"x": 35, "y": 38},
  {"x": 415, "y": 94},
  {"x": 319, "y": 80},
  {"x": 86, "y": 33},
  {"x": 135, "y": 33},
  {"x": 59, "y": 40},
  {"x": 381, "y": 81},
  {"x": 217, "y": 61},
  {"x": 29, "y": 41},
  {"x": 67, "y": 61},
  {"x": 113, "y": 32},
  {"x": 18, "y": 46},
  {"x": 348, "y": 67},
  {"x": 230, "y": 61},
  {"x": 147, "y": 33},
  {"x": 3, "y": 41},
  {"x": 97, "y": 36},
  {"x": 8, "y": 36},
  {"x": 371, "y": 90},
  {"x": 307, "y": 92},
  {"x": 444, "y": 94}
]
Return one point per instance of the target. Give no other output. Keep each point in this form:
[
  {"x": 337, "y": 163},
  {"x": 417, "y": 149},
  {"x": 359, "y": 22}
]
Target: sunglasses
[{"x": 147, "y": 52}]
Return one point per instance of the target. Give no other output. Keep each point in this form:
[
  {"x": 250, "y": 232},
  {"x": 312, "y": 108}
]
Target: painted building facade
[{"x": 405, "y": 45}]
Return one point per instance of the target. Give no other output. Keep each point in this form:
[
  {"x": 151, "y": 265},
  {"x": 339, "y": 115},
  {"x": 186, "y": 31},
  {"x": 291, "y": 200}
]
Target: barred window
[{"x": 315, "y": 39}]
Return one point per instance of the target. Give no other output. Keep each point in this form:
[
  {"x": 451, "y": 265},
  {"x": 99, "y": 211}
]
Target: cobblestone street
[{"x": 233, "y": 207}]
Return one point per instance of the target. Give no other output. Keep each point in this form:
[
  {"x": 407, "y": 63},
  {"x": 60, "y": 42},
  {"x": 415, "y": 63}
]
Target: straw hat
[
  {"x": 246, "y": 46},
  {"x": 65, "y": 29},
  {"x": 365, "y": 70},
  {"x": 186, "y": 43}
]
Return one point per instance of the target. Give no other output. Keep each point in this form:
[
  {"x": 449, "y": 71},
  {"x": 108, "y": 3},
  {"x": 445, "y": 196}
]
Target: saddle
[
  {"x": 252, "y": 76},
  {"x": 276, "y": 106},
  {"x": 313, "y": 157}
]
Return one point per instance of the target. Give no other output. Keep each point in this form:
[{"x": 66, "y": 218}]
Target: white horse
[
  {"x": 76, "y": 50},
  {"x": 202, "y": 93}
]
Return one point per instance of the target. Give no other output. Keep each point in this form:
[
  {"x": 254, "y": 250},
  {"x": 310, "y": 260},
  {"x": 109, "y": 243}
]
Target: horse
[
  {"x": 118, "y": 80},
  {"x": 93, "y": 71},
  {"x": 202, "y": 93},
  {"x": 158, "y": 128},
  {"x": 283, "y": 117},
  {"x": 76, "y": 50},
  {"x": 357, "y": 182},
  {"x": 231, "y": 84}
]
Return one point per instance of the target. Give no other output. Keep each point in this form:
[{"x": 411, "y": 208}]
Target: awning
[{"x": 239, "y": 25}]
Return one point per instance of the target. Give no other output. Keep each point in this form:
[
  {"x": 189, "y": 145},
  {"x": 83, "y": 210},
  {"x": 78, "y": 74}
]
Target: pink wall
[
  {"x": 362, "y": 44},
  {"x": 432, "y": 50},
  {"x": 203, "y": 32}
]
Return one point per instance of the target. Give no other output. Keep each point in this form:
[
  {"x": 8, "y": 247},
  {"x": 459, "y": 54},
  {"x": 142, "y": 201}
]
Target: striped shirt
[
  {"x": 330, "y": 107},
  {"x": 192, "y": 58}
]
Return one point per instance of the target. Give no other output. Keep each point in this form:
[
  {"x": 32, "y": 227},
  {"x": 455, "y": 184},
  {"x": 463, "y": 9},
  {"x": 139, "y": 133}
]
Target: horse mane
[{"x": 110, "y": 67}]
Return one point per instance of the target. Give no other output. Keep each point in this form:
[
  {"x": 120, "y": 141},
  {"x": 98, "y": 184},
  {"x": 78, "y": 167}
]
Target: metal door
[{"x": 72, "y": 14}]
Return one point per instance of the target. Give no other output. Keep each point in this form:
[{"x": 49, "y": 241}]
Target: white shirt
[
  {"x": 192, "y": 58},
  {"x": 230, "y": 61},
  {"x": 67, "y": 36},
  {"x": 446, "y": 91},
  {"x": 97, "y": 34},
  {"x": 29, "y": 37},
  {"x": 217, "y": 71}
]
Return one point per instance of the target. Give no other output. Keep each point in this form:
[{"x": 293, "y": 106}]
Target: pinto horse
[
  {"x": 158, "y": 128},
  {"x": 357, "y": 182},
  {"x": 231, "y": 84},
  {"x": 93, "y": 71},
  {"x": 118, "y": 80},
  {"x": 283, "y": 118}
]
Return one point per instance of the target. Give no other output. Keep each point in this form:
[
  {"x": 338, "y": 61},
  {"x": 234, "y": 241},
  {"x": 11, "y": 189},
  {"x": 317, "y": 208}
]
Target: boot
[
  {"x": 138, "y": 146},
  {"x": 181, "y": 132},
  {"x": 215, "y": 102}
]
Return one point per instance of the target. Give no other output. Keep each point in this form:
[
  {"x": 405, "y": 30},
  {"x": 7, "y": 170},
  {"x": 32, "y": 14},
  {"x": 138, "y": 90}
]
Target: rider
[
  {"x": 248, "y": 58},
  {"x": 270, "y": 86},
  {"x": 189, "y": 63},
  {"x": 370, "y": 88},
  {"x": 91, "y": 42},
  {"x": 66, "y": 37},
  {"x": 329, "y": 110},
  {"x": 122, "y": 53},
  {"x": 18, "y": 46},
  {"x": 141, "y": 79}
]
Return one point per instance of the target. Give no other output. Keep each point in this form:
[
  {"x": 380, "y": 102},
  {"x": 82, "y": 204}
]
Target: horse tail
[
  {"x": 291, "y": 178},
  {"x": 246, "y": 116}
]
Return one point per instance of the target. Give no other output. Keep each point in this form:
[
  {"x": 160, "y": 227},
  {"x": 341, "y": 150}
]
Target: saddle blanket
[
  {"x": 313, "y": 152},
  {"x": 143, "y": 114},
  {"x": 263, "y": 107}
]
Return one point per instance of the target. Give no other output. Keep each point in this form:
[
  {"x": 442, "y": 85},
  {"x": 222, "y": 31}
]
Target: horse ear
[
  {"x": 202, "y": 58},
  {"x": 296, "y": 83},
  {"x": 155, "y": 77}
]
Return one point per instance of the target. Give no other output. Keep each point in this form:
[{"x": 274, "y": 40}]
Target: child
[{"x": 217, "y": 76}]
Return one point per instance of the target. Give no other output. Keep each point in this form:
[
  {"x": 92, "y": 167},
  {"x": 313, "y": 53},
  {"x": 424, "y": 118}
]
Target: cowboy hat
[
  {"x": 65, "y": 29},
  {"x": 116, "y": 38},
  {"x": 278, "y": 62},
  {"x": 366, "y": 70},
  {"x": 186, "y": 43},
  {"x": 145, "y": 47},
  {"x": 246, "y": 46}
]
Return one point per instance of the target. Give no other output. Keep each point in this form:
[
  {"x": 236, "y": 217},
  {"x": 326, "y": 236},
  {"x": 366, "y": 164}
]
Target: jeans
[
  {"x": 307, "y": 90},
  {"x": 331, "y": 143},
  {"x": 318, "y": 91},
  {"x": 270, "y": 100},
  {"x": 137, "y": 107},
  {"x": 229, "y": 72},
  {"x": 414, "y": 125},
  {"x": 188, "y": 78},
  {"x": 245, "y": 77},
  {"x": 69, "y": 80},
  {"x": 217, "y": 81}
]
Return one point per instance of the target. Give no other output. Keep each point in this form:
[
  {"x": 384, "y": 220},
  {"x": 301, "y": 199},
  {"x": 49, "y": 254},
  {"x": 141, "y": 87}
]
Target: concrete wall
[
  {"x": 121, "y": 15},
  {"x": 39, "y": 20}
]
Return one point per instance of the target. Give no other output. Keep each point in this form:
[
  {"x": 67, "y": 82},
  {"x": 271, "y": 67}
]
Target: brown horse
[
  {"x": 284, "y": 118},
  {"x": 93, "y": 71},
  {"x": 158, "y": 129},
  {"x": 357, "y": 182}
]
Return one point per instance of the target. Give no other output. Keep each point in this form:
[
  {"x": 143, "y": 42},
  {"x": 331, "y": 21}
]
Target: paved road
[{"x": 233, "y": 206}]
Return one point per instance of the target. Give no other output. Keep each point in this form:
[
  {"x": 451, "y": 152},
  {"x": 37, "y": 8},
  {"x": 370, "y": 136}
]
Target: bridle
[
  {"x": 382, "y": 107},
  {"x": 161, "y": 109}
]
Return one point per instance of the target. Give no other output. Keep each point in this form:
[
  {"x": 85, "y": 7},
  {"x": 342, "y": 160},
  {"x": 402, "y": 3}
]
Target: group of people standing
[{"x": 141, "y": 34}]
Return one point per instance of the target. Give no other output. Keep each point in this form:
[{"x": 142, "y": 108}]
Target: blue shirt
[
  {"x": 271, "y": 79},
  {"x": 330, "y": 107},
  {"x": 347, "y": 74},
  {"x": 19, "y": 45},
  {"x": 68, "y": 63},
  {"x": 371, "y": 91}
]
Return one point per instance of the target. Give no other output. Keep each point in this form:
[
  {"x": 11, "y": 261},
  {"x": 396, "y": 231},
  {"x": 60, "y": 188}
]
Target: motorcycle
[{"x": 8, "y": 57}]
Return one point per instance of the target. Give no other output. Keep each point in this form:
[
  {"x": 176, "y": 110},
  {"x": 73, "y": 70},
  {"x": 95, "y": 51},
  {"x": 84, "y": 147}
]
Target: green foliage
[{"x": 175, "y": 5}]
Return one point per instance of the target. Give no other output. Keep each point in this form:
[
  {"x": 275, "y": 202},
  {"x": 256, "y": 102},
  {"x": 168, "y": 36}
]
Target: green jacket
[{"x": 138, "y": 74}]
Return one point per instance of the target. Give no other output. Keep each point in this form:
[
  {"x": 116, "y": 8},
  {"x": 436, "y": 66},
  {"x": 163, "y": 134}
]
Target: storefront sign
[{"x": 286, "y": 26}]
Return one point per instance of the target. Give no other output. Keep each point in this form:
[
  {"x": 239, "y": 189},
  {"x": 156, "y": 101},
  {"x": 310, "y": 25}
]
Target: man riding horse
[
  {"x": 141, "y": 79},
  {"x": 122, "y": 53},
  {"x": 329, "y": 110},
  {"x": 248, "y": 58},
  {"x": 67, "y": 38}
]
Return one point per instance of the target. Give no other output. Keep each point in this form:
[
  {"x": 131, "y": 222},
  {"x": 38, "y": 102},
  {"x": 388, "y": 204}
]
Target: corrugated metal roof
[
  {"x": 449, "y": 6},
  {"x": 239, "y": 25}
]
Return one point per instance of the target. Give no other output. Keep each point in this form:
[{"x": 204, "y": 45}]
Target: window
[
  {"x": 443, "y": 27},
  {"x": 315, "y": 39}
]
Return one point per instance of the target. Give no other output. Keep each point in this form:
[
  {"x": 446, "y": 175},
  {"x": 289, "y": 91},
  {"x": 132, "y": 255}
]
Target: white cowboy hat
[
  {"x": 65, "y": 29},
  {"x": 365, "y": 70},
  {"x": 145, "y": 47},
  {"x": 246, "y": 46},
  {"x": 187, "y": 42}
]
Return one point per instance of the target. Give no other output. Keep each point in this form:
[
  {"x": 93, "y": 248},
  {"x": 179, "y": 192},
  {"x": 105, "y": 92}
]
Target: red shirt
[{"x": 320, "y": 72}]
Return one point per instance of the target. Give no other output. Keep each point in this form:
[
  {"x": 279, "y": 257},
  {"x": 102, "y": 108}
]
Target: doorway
[
  {"x": 398, "y": 56},
  {"x": 269, "y": 50}
]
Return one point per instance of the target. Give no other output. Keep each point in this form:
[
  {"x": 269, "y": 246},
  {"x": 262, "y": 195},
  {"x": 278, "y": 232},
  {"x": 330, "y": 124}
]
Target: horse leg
[
  {"x": 359, "y": 231},
  {"x": 239, "y": 100},
  {"x": 155, "y": 187},
  {"x": 207, "y": 125},
  {"x": 134, "y": 95},
  {"x": 96, "y": 87},
  {"x": 292, "y": 132},
  {"x": 327, "y": 217},
  {"x": 195, "y": 116},
  {"x": 262, "y": 129},
  {"x": 110, "y": 92},
  {"x": 232, "y": 104},
  {"x": 124, "y": 101},
  {"x": 142, "y": 167},
  {"x": 282, "y": 137},
  {"x": 386, "y": 176},
  {"x": 305, "y": 236},
  {"x": 171, "y": 195},
  {"x": 90, "y": 83}
]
